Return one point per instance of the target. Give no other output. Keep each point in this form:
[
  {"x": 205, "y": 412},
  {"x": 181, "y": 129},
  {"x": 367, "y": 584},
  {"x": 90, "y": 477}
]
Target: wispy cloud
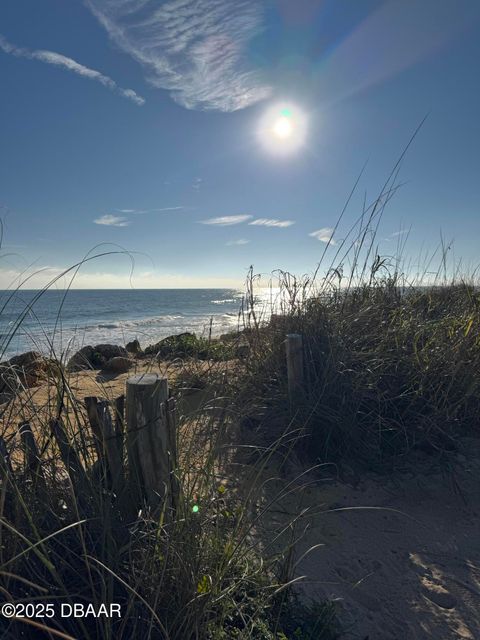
[
  {"x": 197, "y": 183},
  {"x": 396, "y": 234},
  {"x": 324, "y": 235},
  {"x": 196, "y": 49},
  {"x": 59, "y": 60},
  {"x": 236, "y": 243},
  {"x": 226, "y": 220},
  {"x": 271, "y": 222},
  {"x": 140, "y": 211},
  {"x": 112, "y": 221}
]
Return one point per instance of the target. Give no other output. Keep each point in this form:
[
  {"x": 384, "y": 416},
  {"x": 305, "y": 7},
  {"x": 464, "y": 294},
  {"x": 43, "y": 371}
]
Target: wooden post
[
  {"x": 119, "y": 423},
  {"x": 150, "y": 446},
  {"x": 7, "y": 504},
  {"x": 295, "y": 373},
  {"x": 33, "y": 463},
  {"x": 32, "y": 458},
  {"x": 70, "y": 459},
  {"x": 106, "y": 439}
]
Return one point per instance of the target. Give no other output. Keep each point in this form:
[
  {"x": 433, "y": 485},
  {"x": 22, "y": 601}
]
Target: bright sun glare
[{"x": 282, "y": 129}]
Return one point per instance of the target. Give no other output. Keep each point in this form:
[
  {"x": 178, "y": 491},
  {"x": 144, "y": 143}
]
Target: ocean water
[{"x": 68, "y": 321}]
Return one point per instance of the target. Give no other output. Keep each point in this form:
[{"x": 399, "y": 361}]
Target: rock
[
  {"x": 5, "y": 397},
  {"x": 28, "y": 367},
  {"x": 95, "y": 357},
  {"x": 81, "y": 360},
  {"x": 133, "y": 347},
  {"x": 118, "y": 364},
  {"x": 24, "y": 360},
  {"x": 108, "y": 351},
  {"x": 9, "y": 382},
  {"x": 232, "y": 336}
]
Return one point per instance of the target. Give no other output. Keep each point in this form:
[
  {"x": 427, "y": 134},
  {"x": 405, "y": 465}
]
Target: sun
[{"x": 282, "y": 129}]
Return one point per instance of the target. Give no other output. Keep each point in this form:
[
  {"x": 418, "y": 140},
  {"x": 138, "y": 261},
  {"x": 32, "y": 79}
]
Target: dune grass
[{"x": 389, "y": 369}]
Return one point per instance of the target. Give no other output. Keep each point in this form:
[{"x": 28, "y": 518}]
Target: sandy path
[{"x": 395, "y": 576}]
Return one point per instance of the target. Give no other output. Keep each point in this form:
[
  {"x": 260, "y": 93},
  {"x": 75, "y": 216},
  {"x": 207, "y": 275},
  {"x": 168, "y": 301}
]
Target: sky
[{"x": 189, "y": 139}]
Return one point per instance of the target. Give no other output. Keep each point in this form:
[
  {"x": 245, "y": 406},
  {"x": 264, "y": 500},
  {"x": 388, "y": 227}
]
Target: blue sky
[{"x": 135, "y": 122}]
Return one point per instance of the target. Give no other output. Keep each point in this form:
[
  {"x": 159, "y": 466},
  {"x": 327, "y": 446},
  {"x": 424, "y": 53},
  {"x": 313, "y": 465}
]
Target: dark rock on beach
[
  {"x": 118, "y": 364},
  {"x": 95, "y": 357},
  {"x": 82, "y": 359},
  {"x": 28, "y": 367},
  {"x": 25, "y": 370},
  {"x": 133, "y": 347}
]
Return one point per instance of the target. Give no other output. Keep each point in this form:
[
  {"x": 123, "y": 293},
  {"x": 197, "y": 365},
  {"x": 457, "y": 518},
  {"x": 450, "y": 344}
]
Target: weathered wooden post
[
  {"x": 295, "y": 372},
  {"x": 151, "y": 443},
  {"x": 106, "y": 440},
  {"x": 70, "y": 459},
  {"x": 7, "y": 504}
]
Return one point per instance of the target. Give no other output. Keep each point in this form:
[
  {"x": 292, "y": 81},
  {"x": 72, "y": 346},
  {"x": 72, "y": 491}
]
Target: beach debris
[{"x": 133, "y": 347}]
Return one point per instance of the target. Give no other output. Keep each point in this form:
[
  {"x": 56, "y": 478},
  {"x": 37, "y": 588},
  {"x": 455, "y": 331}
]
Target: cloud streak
[
  {"x": 237, "y": 243},
  {"x": 195, "y": 49},
  {"x": 324, "y": 235},
  {"x": 59, "y": 60},
  {"x": 225, "y": 221},
  {"x": 112, "y": 221},
  {"x": 140, "y": 211},
  {"x": 271, "y": 222}
]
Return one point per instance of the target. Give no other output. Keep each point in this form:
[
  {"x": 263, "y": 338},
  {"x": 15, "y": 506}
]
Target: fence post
[
  {"x": 33, "y": 463},
  {"x": 295, "y": 373},
  {"x": 7, "y": 503},
  {"x": 109, "y": 454},
  {"x": 71, "y": 460},
  {"x": 150, "y": 445}
]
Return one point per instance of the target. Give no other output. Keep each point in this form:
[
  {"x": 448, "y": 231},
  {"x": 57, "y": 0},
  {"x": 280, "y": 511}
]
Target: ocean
[{"x": 68, "y": 321}]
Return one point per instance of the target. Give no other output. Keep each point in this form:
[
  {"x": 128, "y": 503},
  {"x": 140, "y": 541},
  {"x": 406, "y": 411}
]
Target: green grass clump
[{"x": 188, "y": 345}]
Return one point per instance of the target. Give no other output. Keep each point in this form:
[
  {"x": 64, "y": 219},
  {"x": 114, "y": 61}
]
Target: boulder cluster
[
  {"x": 109, "y": 357},
  {"x": 29, "y": 369}
]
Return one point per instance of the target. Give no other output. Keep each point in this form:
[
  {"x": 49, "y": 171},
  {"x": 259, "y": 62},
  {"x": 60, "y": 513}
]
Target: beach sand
[{"x": 400, "y": 553}]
